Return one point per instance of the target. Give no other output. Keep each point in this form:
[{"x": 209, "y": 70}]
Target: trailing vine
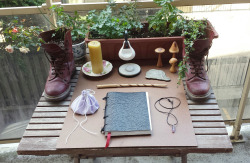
[{"x": 191, "y": 30}]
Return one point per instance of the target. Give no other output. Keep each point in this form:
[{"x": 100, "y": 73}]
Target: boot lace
[
  {"x": 57, "y": 65},
  {"x": 196, "y": 63},
  {"x": 196, "y": 67}
]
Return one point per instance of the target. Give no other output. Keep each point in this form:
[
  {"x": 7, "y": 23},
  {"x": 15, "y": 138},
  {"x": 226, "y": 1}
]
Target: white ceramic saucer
[{"x": 87, "y": 69}]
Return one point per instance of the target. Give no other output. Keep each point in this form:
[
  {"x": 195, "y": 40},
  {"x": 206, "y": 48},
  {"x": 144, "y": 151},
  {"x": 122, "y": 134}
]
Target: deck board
[
  {"x": 52, "y": 109},
  {"x": 49, "y": 114},
  {"x": 210, "y": 131},
  {"x": 44, "y": 127},
  {"x": 207, "y": 119},
  {"x": 205, "y": 107},
  {"x": 45, "y": 103},
  {"x": 42, "y": 133},
  {"x": 208, "y": 124},
  {"x": 47, "y": 120},
  {"x": 205, "y": 112}
]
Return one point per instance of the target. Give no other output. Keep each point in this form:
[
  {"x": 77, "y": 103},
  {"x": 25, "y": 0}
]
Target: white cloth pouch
[{"x": 85, "y": 103}]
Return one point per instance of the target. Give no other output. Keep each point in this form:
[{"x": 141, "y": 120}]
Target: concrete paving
[{"x": 240, "y": 154}]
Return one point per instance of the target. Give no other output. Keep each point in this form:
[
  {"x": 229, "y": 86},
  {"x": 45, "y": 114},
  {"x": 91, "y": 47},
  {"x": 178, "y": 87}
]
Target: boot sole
[
  {"x": 197, "y": 98},
  {"x": 61, "y": 96},
  {"x": 58, "y": 98}
]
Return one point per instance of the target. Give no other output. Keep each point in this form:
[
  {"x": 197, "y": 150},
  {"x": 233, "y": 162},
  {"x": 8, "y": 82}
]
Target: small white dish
[
  {"x": 129, "y": 69},
  {"x": 87, "y": 69}
]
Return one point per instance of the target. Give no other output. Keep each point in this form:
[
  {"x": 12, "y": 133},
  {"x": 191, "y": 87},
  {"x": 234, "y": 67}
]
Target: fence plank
[{"x": 5, "y": 80}]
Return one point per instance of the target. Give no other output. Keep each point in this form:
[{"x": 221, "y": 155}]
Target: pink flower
[
  {"x": 86, "y": 69},
  {"x": 14, "y": 30},
  {"x": 9, "y": 49},
  {"x": 104, "y": 63},
  {"x": 23, "y": 20}
]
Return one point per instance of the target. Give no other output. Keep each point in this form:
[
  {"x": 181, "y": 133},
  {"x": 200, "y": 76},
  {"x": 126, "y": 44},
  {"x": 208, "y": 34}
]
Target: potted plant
[
  {"x": 164, "y": 27},
  {"x": 194, "y": 37},
  {"x": 78, "y": 27},
  {"x": 108, "y": 27}
]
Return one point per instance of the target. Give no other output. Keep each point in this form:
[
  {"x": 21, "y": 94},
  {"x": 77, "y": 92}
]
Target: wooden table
[{"x": 40, "y": 137}]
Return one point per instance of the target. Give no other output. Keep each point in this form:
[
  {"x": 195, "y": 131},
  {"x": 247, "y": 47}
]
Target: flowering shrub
[{"x": 20, "y": 37}]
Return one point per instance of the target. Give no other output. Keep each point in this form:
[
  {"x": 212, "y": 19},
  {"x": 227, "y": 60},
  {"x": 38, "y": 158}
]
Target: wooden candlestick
[{"x": 159, "y": 51}]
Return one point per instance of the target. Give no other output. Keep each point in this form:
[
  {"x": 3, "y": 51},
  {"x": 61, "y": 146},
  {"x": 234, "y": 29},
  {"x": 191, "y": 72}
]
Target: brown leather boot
[
  {"x": 62, "y": 65},
  {"x": 197, "y": 83}
]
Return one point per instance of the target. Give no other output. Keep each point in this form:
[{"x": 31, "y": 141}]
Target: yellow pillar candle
[{"x": 95, "y": 53}]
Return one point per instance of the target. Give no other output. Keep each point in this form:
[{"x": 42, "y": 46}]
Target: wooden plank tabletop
[{"x": 40, "y": 137}]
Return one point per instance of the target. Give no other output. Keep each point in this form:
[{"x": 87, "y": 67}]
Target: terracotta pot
[
  {"x": 144, "y": 47},
  {"x": 79, "y": 50}
]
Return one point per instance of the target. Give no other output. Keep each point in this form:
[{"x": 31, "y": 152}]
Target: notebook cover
[
  {"x": 161, "y": 136},
  {"x": 127, "y": 113}
]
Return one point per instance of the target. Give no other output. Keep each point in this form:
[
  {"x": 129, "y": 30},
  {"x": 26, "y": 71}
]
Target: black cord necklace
[{"x": 171, "y": 101}]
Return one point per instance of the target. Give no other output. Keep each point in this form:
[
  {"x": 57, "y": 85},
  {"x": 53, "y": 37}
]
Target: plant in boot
[
  {"x": 58, "y": 49},
  {"x": 191, "y": 30},
  {"x": 75, "y": 22},
  {"x": 77, "y": 25},
  {"x": 198, "y": 40},
  {"x": 168, "y": 22}
]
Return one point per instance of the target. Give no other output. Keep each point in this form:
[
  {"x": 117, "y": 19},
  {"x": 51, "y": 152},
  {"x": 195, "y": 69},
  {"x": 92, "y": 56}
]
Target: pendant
[{"x": 173, "y": 128}]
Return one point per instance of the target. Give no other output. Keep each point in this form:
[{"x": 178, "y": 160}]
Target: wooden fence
[{"x": 22, "y": 79}]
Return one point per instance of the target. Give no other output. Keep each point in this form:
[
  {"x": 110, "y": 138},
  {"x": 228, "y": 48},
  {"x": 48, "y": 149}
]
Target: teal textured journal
[{"x": 127, "y": 113}]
